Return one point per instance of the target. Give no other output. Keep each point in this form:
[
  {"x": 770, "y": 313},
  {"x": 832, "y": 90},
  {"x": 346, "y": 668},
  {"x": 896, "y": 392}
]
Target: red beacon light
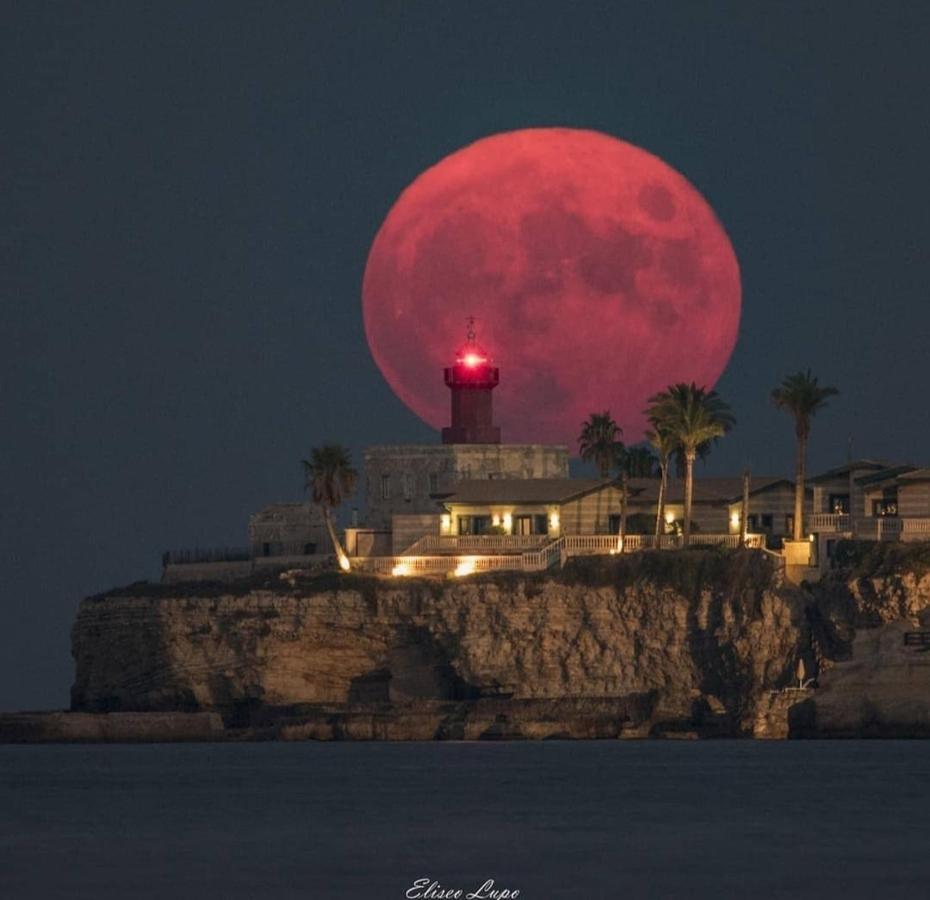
[
  {"x": 471, "y": 380},
  {"x": 471, "y": 360}
]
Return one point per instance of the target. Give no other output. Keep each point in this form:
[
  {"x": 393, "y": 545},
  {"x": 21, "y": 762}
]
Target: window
[
  {"x": 541, "y": 524},
  {"x": 789, "y": 523},
  {"x": 385, "y": 487},
  {"x": 433, "y": 482},
  {"x": 755, "y": 521},
  {"x": 408, "y": 484},
  {"x": 474, "y": 524},
  {"x": 885, "y": 507},
  {"x": 838, "y": 504}
]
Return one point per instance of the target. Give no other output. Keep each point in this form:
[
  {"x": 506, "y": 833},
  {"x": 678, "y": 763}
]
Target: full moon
[{"x": 596, "y": 273}]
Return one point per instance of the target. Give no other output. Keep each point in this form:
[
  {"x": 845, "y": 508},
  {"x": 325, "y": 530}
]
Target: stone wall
[
  {"x": 288, "y": 529},
  {"x": 401, "y": 479}
]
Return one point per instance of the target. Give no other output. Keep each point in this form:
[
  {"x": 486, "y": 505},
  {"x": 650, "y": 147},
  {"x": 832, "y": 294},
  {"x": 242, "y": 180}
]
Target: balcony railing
[
  {"x": 879, "y": 528},
  {"x": 591, "y": 544},
  {"x": 916, "y": 529},
  {"x": 830, "y": 522}
]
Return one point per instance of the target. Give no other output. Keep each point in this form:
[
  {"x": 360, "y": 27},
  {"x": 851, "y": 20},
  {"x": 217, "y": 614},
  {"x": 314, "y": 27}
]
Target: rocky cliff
[{"x": 672, "y": 644}]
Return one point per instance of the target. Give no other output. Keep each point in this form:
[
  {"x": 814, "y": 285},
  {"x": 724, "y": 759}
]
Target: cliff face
[
  {"x": 683, "y": 644},
  {"x": 689, "y": 642},
  {"x": 875, "y": 679}
]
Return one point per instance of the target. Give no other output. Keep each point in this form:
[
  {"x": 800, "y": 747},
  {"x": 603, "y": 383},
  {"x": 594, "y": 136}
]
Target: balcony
[
  {"x": 879, "y": 528},
  {"x": 830, "y": 523}
]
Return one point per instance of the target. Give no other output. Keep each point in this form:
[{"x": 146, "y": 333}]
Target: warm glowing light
[
  {"x": 734, "y": 519},
  {"x": 445, "y": 522},
  {"x": 554, "y": 521},
  {"x": 508, "y": 522},
  {"x": 669, "y": 518},
  {"x": 344, "y": 563},
  {"x": 401, "y": 569},
  {"x": 496, "y": 520},
  {"x": 472, "y": 359},
  {"x": 466, "y": 566}
]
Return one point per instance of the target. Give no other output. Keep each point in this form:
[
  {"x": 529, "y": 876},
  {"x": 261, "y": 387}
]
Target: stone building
[
  {"x": 869, "y": 499},
  {"x": 409, "y": 479},
  {"x": 578, "y": 506},
  {"x": 288, "y": 529}
]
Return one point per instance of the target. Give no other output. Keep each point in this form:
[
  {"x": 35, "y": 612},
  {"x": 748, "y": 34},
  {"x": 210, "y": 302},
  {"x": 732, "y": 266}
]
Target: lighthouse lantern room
[{"x": 471, "y": 380}]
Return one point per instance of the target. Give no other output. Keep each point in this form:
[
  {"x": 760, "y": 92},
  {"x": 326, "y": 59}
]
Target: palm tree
[
  {"x": 640, "y": 462},
  {"x": 599, "y": 442},
  {"x": 692, "y": 416},
  {"x": 330, "y": 478},
  {"x": 664, "y": 443},
  {"x": 802, "y": 396}
]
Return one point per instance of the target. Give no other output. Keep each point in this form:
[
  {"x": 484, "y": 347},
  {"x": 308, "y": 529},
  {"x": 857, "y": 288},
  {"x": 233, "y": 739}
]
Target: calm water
[{"x": 605, "y": 819}]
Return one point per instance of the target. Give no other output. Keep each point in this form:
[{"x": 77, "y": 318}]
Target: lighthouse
[{"x": 471, "y": 380}]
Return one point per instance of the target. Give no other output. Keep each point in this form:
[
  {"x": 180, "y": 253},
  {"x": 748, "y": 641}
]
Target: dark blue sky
[{"x": 189, "y": 192}]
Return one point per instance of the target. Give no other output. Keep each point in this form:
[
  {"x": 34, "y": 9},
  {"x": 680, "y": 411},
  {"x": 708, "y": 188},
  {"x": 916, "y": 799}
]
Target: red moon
[{"x": 596, "y": 273}]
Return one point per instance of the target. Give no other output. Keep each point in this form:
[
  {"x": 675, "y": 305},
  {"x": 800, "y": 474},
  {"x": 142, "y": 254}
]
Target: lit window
[{"x": 884, "y": 507}]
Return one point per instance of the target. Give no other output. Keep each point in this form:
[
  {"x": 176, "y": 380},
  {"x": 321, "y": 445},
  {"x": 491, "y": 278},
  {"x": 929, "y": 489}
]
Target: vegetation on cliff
[{"x": 880, "y": 559}]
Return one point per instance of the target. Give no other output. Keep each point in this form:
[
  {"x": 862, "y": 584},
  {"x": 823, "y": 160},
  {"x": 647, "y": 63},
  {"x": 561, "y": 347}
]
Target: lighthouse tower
[{"x": 471, "y": 381}]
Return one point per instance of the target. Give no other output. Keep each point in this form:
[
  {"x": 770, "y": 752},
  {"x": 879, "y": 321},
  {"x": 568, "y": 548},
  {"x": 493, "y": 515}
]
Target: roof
[
  {"x": 560, "y": 490},
  {"x": 884, "y": 475},
  {"x": 709, "y": 490},
  {"x": 852, "y": 466},
  {"x": 915, "y": 475}
]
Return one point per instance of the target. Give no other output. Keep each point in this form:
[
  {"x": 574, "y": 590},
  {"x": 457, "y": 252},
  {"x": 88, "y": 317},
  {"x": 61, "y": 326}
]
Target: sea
[{"x": 611, "y": 819}]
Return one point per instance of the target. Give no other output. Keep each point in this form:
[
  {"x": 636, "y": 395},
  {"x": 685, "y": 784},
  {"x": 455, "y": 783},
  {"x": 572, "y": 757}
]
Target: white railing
[
  {"x": 579, "y": 544},
  {"x": 916, "y": 528},
  {"x": 541, "y": 558},
  {"x": 436, "y": 565},
  {"x": 879, "y": 528},
  {"x": 830, "y": 522},
  {"x": 478, "y": 543},
  {"x": 548, "y": 556},
  {"x": 591, "y": 544},
  {"x": 417, "y": 547}
]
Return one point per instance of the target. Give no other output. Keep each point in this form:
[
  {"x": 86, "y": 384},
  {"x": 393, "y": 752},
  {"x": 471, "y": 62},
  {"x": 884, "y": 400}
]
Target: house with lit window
[
  {"x": 584, "y": 506},
  {"x": 870, "y": 499}
]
